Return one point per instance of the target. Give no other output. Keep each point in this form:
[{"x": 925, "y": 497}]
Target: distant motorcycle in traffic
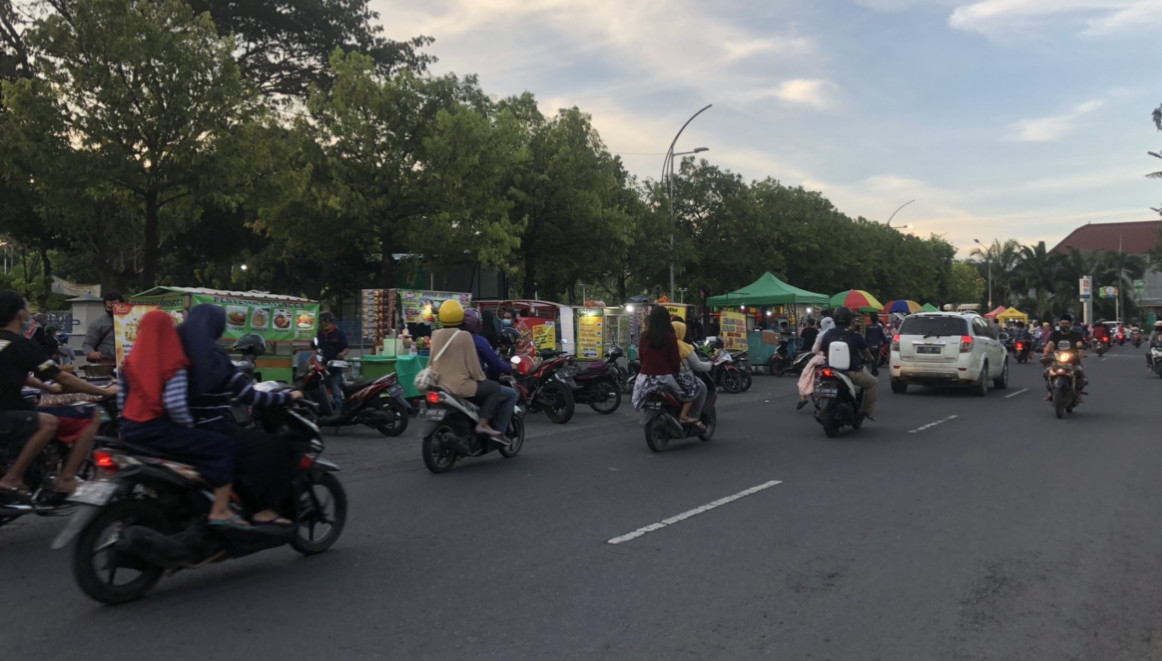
[
  {"x": 1061, "y": 380},
  {"x": 450, "y": 431},
  {"x": 662, "y": 417},
  {"x": 598, "y": 384},
  {"x": 376, "y": 403}
]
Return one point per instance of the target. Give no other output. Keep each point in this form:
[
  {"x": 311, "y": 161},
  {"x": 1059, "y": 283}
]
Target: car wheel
[
  {"x": 981, "y": 387},
  {"x": 1002, "y": 381}
]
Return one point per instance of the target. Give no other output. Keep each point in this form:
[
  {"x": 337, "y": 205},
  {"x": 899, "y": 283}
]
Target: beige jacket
[{"x": 459, "y": 367}]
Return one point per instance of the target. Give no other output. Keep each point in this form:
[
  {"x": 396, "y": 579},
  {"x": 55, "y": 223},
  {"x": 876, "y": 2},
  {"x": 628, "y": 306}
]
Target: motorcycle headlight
[{"x": 1064, "y": 356}]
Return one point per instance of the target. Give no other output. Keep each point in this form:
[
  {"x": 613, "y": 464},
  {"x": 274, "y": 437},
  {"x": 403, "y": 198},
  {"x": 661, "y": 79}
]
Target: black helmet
[
  {"x": 251, "y": 343},
  {"x": 843, "y": 316},
  {"x": 509, "y": 336}
]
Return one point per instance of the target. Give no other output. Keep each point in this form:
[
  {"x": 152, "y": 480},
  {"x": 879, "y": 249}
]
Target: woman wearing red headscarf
[{"x": 155, "y": 412}]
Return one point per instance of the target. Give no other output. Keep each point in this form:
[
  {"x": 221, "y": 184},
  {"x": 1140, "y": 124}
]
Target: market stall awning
[
  {"x": 767, "y": 290},
  {"x": 1013, "y": 314},
  {"x": 994, "y": 313},
  {"x": 928, "y": 307},
  {"x": 202, "y": 291}
]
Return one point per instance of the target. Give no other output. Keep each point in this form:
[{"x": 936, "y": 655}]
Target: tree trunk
[
  {"x": 387, "y": 269},
  {"x": 43, "y": 302},
  {"x": 530, "y": 277},
  {"x": 151, "y": 246}
]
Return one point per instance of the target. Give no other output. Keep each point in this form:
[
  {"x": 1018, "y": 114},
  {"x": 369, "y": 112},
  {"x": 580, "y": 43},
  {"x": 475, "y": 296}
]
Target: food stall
[
  {"x": 283, "y": 321},
  {"x": 551, "y": 324},
  {"x": 783, "y": 301}
]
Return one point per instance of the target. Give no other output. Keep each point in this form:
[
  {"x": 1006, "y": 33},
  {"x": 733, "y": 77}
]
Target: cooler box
[
  {"x": 373, "y": 367},
  {"x": 406, "y": 369}
]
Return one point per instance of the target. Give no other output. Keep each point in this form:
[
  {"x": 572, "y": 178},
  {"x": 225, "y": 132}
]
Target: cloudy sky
[{"x": 1001, "y": 118}]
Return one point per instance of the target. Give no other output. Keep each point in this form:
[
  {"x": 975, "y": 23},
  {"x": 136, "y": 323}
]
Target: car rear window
[{"x": 932, "y": 326}]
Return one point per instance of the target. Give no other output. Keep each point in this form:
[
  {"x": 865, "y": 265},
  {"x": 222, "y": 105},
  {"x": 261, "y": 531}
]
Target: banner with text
[{"x": 733, "y": 330}]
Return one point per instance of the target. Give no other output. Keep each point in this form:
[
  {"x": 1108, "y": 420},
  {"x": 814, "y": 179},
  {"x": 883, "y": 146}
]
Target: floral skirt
[{"x": 647, "y": 384}]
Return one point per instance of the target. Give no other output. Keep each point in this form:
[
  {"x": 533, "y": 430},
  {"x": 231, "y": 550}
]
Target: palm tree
[
  {"x": 1001, "y": 259},
  {"x": 1039, "y": 272}
]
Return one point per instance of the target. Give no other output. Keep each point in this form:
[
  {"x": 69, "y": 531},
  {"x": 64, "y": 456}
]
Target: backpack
[{"x": 839, "y": 352}]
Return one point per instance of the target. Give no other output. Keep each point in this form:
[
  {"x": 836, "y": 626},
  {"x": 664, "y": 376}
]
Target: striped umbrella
[
  {"x": 903, "y": 305},
  {"x": 856, "y": 299}
]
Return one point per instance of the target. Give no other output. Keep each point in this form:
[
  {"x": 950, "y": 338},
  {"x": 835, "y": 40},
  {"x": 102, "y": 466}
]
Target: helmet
[
  {"x": 1158, "y": 324},
  {"x": 451, "y": 313},
  {"x": 842, "y": 316},
  {"x": 471, "y": 321},
  {"x": 509, "y": 336},
  {"x": 251, "y": 343}
]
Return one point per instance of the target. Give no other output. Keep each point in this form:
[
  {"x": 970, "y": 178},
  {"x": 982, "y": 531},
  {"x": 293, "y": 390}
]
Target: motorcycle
[
  {"x": 1156, "y": 358},
  {"x": 376, "y": 403},
  {"x": 785, "y": 360},
  {"x": 838, "y": 401},
  {"x": 1136, "y": 338},
  {"x": 541, "y": 387},
  {"x": 1061, "y": 379},
  {"x": 1120, "y": 338},
  {"x": 146, "y": 515},
  {"x": 724, "y": 372},
  {"x": 41, "y": 476},
  {"x": 598, "y": 385},
  {"x": 1100, "y": 346},
  {"x": 662, "y": 417},
  {"x": 450, "y": 431},
  {"x": 1021, "y": 349}
]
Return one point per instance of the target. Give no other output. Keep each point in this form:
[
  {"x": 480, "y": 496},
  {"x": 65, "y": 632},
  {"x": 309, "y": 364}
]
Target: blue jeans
[
  {"x": 335, "y": 384},
  {"x": 504, "y": 413}
]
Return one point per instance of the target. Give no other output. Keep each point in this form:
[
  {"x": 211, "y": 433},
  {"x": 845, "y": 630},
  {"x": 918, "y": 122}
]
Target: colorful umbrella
[
  {"x": 903, "y": 305},
  {"x": 856, "y": 299}
]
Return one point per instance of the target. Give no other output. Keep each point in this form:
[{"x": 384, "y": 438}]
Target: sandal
[
  {"x": 236, "y": 522},
  {"x": 276, "y": 522},
  {"x": 19, "y": 494}
]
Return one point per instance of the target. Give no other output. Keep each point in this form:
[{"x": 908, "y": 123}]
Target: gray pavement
[{"x": 998, "y": 533}]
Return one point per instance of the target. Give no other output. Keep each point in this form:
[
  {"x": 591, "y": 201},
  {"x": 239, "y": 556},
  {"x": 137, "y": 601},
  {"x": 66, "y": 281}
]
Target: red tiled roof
[{"x": 1133, "y": 238}]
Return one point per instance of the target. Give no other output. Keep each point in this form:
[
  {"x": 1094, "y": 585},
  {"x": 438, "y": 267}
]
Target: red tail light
[
  {"x": 1020, "y": 346},
  {"x": 826, "y": 371},
  {"x": 965, "y": 343},
  {"x": 104, "y": 459},
  {"x": 896, "y": 343},
  {"x": 433, "y": 397},
  {"x": 307, "y": 461}
]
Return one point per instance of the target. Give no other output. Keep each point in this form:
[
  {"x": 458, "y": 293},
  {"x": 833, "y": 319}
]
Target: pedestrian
[{"x": 100, "y": 346}]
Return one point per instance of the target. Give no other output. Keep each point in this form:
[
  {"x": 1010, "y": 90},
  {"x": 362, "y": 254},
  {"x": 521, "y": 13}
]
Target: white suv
[{"x": 948, "y": 348}]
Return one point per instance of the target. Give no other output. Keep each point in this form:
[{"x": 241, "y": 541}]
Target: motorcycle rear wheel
[
  {"x": 398, "y": 422},
  {"x": 97, "y": 541},
  {"x": 710, "y": 419},
  {"x": 438, "y": 449},
  {"x": 656, "y": 437},
  {"x": 611, "y": 398},
  {"x": 830, "y": 424},
  {"x": 315, "y": 509}
]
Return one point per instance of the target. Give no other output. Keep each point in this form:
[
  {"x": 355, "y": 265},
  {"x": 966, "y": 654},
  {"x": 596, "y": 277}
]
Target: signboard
[
  {"x": 544, "y": 331},
  {"x": 417, "y": 305},
  {"x": 676, "y": 311},
  {"x": 1086, "y": 286},
  {"x": 273, "y": 319},
  {"x": 733, "y": 326},
  {"x": 590, "y": 334},
  {"x": 1139, "y": 286},
  {"x": 126, "y": 318},
  {"x": 1109, "y": 292}
]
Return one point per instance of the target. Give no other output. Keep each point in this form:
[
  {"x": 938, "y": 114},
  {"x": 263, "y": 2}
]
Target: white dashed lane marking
[{"x": 645, "y": 530}]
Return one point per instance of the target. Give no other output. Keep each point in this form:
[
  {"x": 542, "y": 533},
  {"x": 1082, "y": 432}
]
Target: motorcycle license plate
[
  {"x": 432, "y": 414},
  {"x": 395, "y": 391},
  {"x": 827, "y": 391},
  {"x": 94, "y": 493}
]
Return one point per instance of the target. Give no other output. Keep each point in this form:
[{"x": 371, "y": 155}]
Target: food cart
[{"x": 283, "y": 321}]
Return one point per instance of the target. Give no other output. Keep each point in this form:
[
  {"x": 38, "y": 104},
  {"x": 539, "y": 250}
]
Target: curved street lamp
[
  {"x": 668, "y": 169},
  {"x": 897, "y": 211}
]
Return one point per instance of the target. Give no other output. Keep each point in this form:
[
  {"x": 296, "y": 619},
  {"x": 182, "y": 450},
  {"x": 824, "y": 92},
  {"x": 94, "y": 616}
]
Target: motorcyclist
[
  {"x": 860, "y": 355},
  {"x": 875, "y": 336},
  {"x": 1066, "y": 337},
  {"x": 493, "y": 367},
  {"x": 1155, "y": 338},
  {"x": 1101, "y": 332}
]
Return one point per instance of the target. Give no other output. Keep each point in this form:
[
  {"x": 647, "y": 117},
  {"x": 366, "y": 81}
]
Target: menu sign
[
  {"x": 377, "y": 311},
  {"x": 126, "y": 320},
  {"x": 275, "y": 320},
  {"x": 733, "y": 331},
  {"x": 590, "y": 334}
]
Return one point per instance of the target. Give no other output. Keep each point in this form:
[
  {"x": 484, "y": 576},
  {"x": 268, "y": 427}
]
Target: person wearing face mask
[
  {"x": 100, "y": 346},
  {"x": 1066, "y": 335}
]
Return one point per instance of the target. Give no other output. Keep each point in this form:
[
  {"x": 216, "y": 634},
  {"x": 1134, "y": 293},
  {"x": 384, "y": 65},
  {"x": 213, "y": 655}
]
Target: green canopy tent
[
  {"x": 928, "y": 307},
  {"x": 767, "y": 290}
]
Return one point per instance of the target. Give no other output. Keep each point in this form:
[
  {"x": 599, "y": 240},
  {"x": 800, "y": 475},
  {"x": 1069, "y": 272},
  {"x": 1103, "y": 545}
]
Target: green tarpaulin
[
  {"x": 928, "y": 307},
  {"x": 767, "y": 290}
]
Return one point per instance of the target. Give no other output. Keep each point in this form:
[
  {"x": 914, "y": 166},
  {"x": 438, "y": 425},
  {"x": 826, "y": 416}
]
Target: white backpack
[{"x": 839, "y": 353}]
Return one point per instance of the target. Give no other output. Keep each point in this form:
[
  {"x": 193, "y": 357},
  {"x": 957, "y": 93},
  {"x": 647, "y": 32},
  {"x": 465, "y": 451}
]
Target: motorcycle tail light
[
  {"x": 826, "y": 371},
  {"x": 307, "y": 461},
  {"x": 433, "y": 397},
  {"x": 896, "y": 343},
  {"x": 965, "y": 343},
  {"x": 105, "y": 461}
]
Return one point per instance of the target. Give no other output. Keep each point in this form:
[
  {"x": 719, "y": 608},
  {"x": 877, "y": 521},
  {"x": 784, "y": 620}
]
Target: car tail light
[
  {"x": 433, "y": 397},
  {"x": 896, "y": 343},
  {"x": 965, "y": 343}
]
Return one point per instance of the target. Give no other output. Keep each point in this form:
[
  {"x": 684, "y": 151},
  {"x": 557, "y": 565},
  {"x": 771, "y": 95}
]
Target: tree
[
  {"x": 148, "y": 96},
  {"x": 395, "y": 165},
  {"x": 966, "y": 283}
]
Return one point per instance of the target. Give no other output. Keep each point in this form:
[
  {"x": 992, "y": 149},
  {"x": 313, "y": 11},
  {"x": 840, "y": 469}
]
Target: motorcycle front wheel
[
  {"x": 610, "y": 396},
  {"x": 730, "y": 381},
  {"x": 322, "y": 513},
  {"x": 1060, "y": 400},
  {"x": 776, "y": 365},
  {"x": 560, "y": 405},
  {"x": 97, "y": 565}
]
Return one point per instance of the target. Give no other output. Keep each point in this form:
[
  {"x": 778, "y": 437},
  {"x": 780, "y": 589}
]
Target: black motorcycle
[
  {"x": 145, "y": 515},
  {"x": 450, "y": 431},
  {"x": 786, "y": 360},
  {"x": 838, "y": 401},
  {"x": 599, "y": 384},
  {"x": 662, "y": 413}
]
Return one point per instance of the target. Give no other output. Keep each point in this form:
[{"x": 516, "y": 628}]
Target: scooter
[
  {"x": 1022, "y": 349},
  {"x": 785, "y": 359},
  {"x": 598, "y": 385},
  {"x": 377, "y": 403},
  {"x": 724, "y": 372},
  {"x": 450, "y": 431},
  {"x": 662, "y": 415},
  {"x": 838, "y": 401},
  {"x": 1061, "y": 379},
  {"x": 146, "y": 514}
]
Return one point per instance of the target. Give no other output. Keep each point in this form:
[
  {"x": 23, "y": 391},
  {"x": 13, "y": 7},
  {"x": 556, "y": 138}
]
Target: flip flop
[
  {"x": 277, "y": 522},
  {"x": 19, "y": 494},
  {"x": 235, "y": 522}
]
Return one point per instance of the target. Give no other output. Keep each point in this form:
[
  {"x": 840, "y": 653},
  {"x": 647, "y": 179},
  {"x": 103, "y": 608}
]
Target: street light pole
[
  {"x": 897, "y": 211},
  {"x": 668, "y": 169},
  {"x": 989, "y": 259}
]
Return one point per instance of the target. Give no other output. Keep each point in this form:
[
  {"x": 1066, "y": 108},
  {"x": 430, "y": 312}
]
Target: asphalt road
[{"x": 999, "y": 533}]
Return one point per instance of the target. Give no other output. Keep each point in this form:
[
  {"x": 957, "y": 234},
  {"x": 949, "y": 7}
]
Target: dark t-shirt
[
  {"x": 1074, "y": 337},
  {"x": 332, "y": 343},
  {"x": 808, "y": 336},
  {"x": 854, "y": 341},
  {"x": 18, "y": 357}
]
